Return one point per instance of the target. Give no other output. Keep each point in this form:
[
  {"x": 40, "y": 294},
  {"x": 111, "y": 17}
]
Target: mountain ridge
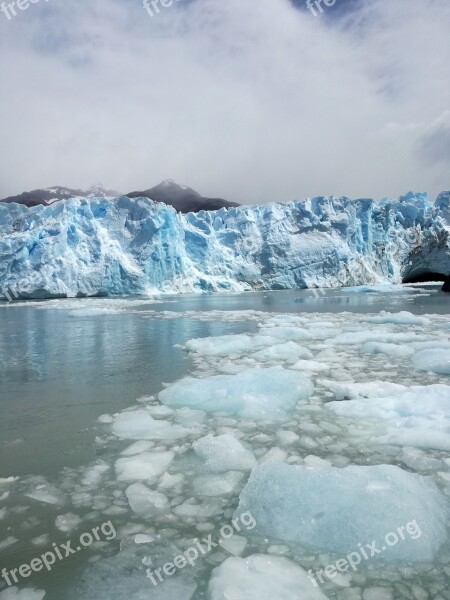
[{"x": 184, "y": 199}]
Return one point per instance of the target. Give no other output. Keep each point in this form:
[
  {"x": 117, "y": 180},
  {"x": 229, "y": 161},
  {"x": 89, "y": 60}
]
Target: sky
[{"x": 254, "y": 101}]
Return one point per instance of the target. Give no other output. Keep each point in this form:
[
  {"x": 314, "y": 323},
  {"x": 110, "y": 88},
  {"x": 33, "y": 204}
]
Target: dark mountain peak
[{"x": 183, "y": 199}]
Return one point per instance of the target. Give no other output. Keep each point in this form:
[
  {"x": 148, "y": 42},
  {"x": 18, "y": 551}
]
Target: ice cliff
[{"x": 97, "y": 246}]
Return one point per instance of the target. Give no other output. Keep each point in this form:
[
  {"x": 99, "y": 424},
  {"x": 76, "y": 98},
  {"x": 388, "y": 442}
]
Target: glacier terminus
[{"x": 99, "y": 246}]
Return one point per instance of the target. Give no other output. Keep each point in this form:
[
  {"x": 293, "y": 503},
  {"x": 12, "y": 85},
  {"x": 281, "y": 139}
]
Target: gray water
[{"x": 64, "y": 363}]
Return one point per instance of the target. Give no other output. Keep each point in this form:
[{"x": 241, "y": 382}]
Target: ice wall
[{"x": 97, "y": 246}]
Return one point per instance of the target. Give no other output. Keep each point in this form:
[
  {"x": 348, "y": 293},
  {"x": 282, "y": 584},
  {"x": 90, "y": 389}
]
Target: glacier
[{"x": 100, "y": 246}]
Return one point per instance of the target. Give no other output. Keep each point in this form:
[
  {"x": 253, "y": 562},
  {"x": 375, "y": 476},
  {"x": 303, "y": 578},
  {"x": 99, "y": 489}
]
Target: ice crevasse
[{"x": 96, "y": 246}]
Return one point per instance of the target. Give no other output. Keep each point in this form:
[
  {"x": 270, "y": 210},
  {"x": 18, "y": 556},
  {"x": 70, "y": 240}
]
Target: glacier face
[{"x": 98, "y": 246}]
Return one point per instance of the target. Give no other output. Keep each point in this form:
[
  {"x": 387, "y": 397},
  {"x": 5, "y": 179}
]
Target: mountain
[
  {"x": 182, "y": 198},
  {"x": 49, "y": 195},
  {"x": 96, "y": 246}
]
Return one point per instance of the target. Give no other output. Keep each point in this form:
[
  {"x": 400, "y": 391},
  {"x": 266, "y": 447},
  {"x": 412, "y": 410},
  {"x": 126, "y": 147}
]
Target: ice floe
[
  {"x": 262, "y": 577},
  {"x": 223, "y": 453},
  {"x": 144, "y": 466},
  {"x": 335, "y": 510},
  {"x": 415, "y": 416},
  {"x": 139, "y": 425},
  {"x": 263, "y": 394},
  {"x": 434, "y": 359}
]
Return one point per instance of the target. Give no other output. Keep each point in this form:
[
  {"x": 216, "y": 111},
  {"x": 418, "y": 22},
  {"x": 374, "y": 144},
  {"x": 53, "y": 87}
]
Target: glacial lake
[{"x": 65, "y": 363}]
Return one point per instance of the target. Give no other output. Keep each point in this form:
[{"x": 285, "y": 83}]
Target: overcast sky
[{"x": 251, "y": 100}]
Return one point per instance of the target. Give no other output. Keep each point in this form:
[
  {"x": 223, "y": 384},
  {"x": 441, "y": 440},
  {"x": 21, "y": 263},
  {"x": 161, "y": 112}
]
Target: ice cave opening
[{"x": 424, "y": 277}]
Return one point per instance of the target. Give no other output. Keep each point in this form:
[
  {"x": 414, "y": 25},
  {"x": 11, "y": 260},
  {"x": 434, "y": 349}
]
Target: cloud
[
  {"x": 435, "y": 143},
  {"x": 253, "y": 101}
]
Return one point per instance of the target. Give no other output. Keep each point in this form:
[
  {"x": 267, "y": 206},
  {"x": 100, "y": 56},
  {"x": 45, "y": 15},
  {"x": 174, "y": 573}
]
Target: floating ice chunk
[
  {"x": 188, "y": 417},
  {"x": 286, "y": 320},
  {"x": 286, "y": 351},
  {"x": 145, "y": 502},
  {"x": 143, "y": 538},
  {"x": 137, "y": 448},
  {"x": 416, "y": 416},
  {"x": 93, "y": 475},
  {"x": 7, "y": 542},
  {"x": 261, "y": 577},
  {"x": 147, "y": 465},
  {"x": 3, "y": 512},
  {"x": 362, "y": 337},
  {"x": 139, "y": 425},
  {"x": 378, "y": 593},
  {"x": 234, "y": 545},
  {"x": 274, "y": 455},
  {"x": 125, "y": 576},
  {"x": 67, "y": 522},
  {"x": 41, "y": 490},
  {"x": 395, "y": 350},
  {"x": 169, "y": 481},
  {"x": 223, "y": 344},
  {"x": 400, "y": 318},
  {"x": 13, "y": 593},
  {"x": 257, "y": 394},
  {"x": 217, "y": 485},
  {"x": 437, "y": 360},
  {"x": 287, "y": 437},
  {"x": 323, "y": 333},
  {"x": 8, "y": 480},
  {"x": 105, "y": 419},
  {"x": 419, "y": 461},
  {"x": 332, "y": 510},
  {"x": 223, "y": 453},
  {"x": 369, "y": 389},
  {"x": 312, "y": 366},
  {"x": 287, "y": 333},
  {"x": 159, "y": 411},
  {"x": 41, "y": 540}
]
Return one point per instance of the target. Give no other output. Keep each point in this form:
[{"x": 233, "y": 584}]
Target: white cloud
[{"x": 252, "y": 100}]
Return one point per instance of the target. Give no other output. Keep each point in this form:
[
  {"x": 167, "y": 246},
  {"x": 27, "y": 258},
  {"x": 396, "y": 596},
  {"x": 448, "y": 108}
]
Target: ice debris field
[{"x": 331, "y": 430}]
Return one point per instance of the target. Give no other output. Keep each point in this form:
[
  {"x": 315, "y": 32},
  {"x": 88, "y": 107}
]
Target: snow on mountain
[
  {"x": 54, "y": 194},
  {"x": 97, "y": 246},
  {"x": 184, "y": 199}
]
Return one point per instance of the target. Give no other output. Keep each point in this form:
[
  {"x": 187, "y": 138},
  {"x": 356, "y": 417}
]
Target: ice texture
[
  {"x": 136, "y": 246},
  {"x": 262, "y": 577},
  {"x": 223, "y": 453},
  {"x": 144, "y": 466},
  {"x": 254, "y": 393},
  {"x": 139, "y": 425},
  {"x": 125, "y": 575},
  {"x": 145, "y": 502},
  {"x": 333, "y": 510},
  {"x": 434, "y": 359},
  {"x": 414, "y": 416}
]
